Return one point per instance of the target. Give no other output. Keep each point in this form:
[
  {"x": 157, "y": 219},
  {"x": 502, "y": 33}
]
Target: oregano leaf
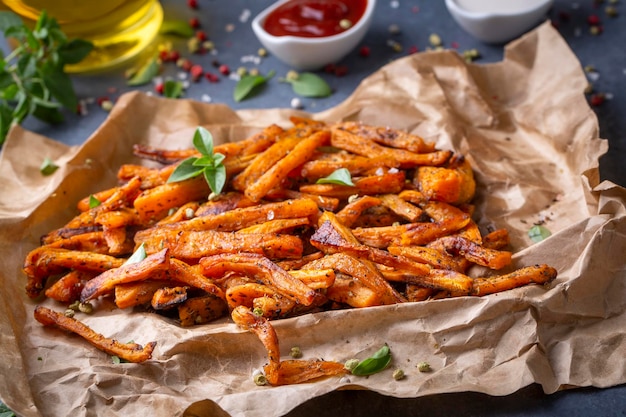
[{"x": 340, "y": 176}]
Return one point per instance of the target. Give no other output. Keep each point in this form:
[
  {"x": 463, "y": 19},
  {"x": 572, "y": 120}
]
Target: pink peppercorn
[
  {"x": 101, "y": 100},
  {"x": 329, "y": 68},
  {"x": 364, "y": 51},
  {"x": 159, "y": 88},
  {"x": 201, "y": 35},
  {"x": 593, "y": 20},
  {"x": 341, "y": 70},
  {"x": 196, "y": 72},
  {"x": 213, "y": 78},
  {"x": 192, "y": 3},
  {"x": 173, "y": 56},
  {"x": 224, "y": 70},
  {"x": 194, "y": 22},
  {"x": 597, "y": 99},
  {"x": 164, "y": 55}
]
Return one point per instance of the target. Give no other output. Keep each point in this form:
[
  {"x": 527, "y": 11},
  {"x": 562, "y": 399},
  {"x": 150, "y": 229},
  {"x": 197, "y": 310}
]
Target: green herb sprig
[
  {"x": 308, "y": 84},
  {"x": 32, "y": 76},
  {"x": 374, "y": 364},
  {"x": 340, "y": 176},
  {"x": 249, "y": 84},
  {"x": 209, "y": 164}
]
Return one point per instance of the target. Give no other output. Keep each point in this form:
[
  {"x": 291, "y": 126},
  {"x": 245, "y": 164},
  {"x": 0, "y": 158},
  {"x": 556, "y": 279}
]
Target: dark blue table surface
[{"x": 227, "y": 24}]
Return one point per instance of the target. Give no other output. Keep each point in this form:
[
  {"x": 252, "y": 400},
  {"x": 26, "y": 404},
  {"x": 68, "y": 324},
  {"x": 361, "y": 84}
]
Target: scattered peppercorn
[
  {"x": 593, "y": 20},
  {"x": 260, "y": 379},
  {"x": 341, "y": 70},
  {"x": 295, "y": 352},
  {"x": 159, "y": 88},
  {"x": 192, "y": 3},
  {"x": 106, "y": 105},
  {"x": 423, "y": 367},
  {"x": 262, "y": 52},
  {"x": 86, "y": 308},
  {"x": 597, "y": 99},
  {"x": 224, "y": 69},
  {"x": 364, "y": 51},
  {"x": 194, "y": 22},
  {"x": 350, "y": 364},
  {"x": 398, "y": 374},
  {"x": 196, "y": 72},
  {"x": 201, "y": 35},
  {"x": 434, "y": 39},
  {"x": 69, "y": 313}
]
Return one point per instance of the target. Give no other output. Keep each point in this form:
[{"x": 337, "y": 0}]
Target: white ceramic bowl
[
  {"x": 499, "y": 27},
  {"x": 312, "y": 53}
]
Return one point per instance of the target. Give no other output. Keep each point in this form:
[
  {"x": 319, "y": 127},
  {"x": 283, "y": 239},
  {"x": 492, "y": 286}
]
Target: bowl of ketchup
[{"x": 308, "y": 34}]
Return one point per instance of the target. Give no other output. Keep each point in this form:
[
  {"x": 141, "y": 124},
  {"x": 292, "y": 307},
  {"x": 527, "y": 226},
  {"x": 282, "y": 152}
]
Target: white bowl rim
[
  {"x": 452, "y": 4},
  {"x": 257, "y": 24}
]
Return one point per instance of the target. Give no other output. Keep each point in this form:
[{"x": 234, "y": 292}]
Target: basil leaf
[
  {"x": 203, "y": 141},
  {"x": 185, "y": 170},
  {"x": 172, "y": 89},
  {"x": 308, "y": 84},
  {"x": 48, "y": 114},
  {"x": 138, "y": 256},
  {"x": 9, "y": 20},
  {"x": 93, "y": 201},
  {"x": 538, "y": 233},
  {"x": 215, "y": 176},
  {"x": 48, "y": 167},
  {"x": 145, "y": 73},
  {"x": 341, "y": 176},
  {"x": 176, "y": 27},
  {"x": 248, "y": 84},
  {"x": 375, "y": 363},
  {"x": 75, "y": 51},
  {"x": 60, "y": 86}
]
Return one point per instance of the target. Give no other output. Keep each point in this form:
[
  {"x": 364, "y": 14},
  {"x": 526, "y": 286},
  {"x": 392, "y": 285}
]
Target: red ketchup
[{"x": 314, "y": 18}]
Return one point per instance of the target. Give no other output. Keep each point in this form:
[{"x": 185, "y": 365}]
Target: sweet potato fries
[{"x": 284, "y": 237}]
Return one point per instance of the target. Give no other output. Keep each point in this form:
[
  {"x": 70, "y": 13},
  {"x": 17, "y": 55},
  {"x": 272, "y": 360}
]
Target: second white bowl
[{"x": 499, "y": 26}]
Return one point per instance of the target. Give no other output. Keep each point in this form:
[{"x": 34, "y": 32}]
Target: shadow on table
[{"x": 530, "y": 401}]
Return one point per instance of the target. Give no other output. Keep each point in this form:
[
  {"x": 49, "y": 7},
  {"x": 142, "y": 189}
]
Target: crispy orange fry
[
  {"x": 387, "y": 182},
  {"x": 153, "y": 204},
  {"x": 193, "y": 245},
  {"x": 315, "y": 278},
  {"x": 199, "y": 310},
  {"x": 240, "y": 218},
  {"x": 452, "y": 185},
  {"x": 262, "y": 269},
  {"x": 131, "y": 352},
  {"x": 399, "y": 206},
  {"x": 369, "y": 276},
  {"x": 388, "y": 136},
  {"x": 324, "y": 203},
  {"x": 350, "y": 291},
  {"x": 167, "y": 297},
  {"x": 138, "y": 271},
  {"x": 137, "y": 293},
  {"x": 353, "y": 210},
  {"x": 366, "y": 147},
  {"x": 277, "y": 226},
  {"x": 277, "y": 172},
  {"x": 182, "y": 272},
  {"x": 429, "y": 256},
  {"x": 538, "y": 274},
  {"x": 244, "y": 294},
  {"x": 44, "y": 261},
  {"x": 67, "y": 289},
  {"x": 294, "y": 371},
  {"x": 87, "y": 242},
  {"x": 264, "y": 330},
  {"x": 494, "y": 259}
]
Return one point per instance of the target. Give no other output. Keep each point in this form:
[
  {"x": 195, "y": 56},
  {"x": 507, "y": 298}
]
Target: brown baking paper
[{"x": 525, "y": 126}]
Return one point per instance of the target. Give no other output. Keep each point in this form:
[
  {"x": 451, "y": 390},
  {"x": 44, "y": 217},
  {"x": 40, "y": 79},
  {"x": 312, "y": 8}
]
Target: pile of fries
[{"x": 276, "y": 242}]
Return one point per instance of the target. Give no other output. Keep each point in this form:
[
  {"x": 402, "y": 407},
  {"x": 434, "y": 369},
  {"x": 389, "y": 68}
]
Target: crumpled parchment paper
[{"x": 526, "y": 127}]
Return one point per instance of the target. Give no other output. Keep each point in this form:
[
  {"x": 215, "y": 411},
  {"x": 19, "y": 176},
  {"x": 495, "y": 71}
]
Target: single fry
[
  {"x": 137, "y": 293},
  {"x": 354, "y": 209},
  {"x": 537, "y": 274},
  {"x": 193, "y": 245},
  {"x": 494, "y": 259},
  {"x": 67, "y": 289},
  {"x": 199, "y": 310},
  {"x": 399, "y": 206},
  {"x": 139, "y": 271},
  {"x": 262, "y": 269},
  {"x": 277, "y": 172},
  {"x": 131, "y": 352},
  {"x": 167, "y": 297},
  {"x": 388, "y": 136}
]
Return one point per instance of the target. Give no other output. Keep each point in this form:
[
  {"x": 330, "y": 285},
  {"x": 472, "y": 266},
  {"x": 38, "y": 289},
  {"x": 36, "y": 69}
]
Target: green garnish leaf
[
  {"x": 138, "y": 256},
  {"x": 176, "y": 27},
  {"x": 375, "y": 363},
  {"x": 32, "y": 76},
  {"x": 145, "y": 74},
  {"x": 341, "y": 176},
  {"x": 5, "y": 411},
  {"x": 48, "y": 167},
  {"x": 185, "y": 170},
  {"x": 538, "y": 233},
  {"x": 93, "y": 201},
  {"x": 308, "y": 84},
  {"x": 172, "y": 89},
  {"x": 209, "y": 164},
  {"x": 249, "y": 83}
]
